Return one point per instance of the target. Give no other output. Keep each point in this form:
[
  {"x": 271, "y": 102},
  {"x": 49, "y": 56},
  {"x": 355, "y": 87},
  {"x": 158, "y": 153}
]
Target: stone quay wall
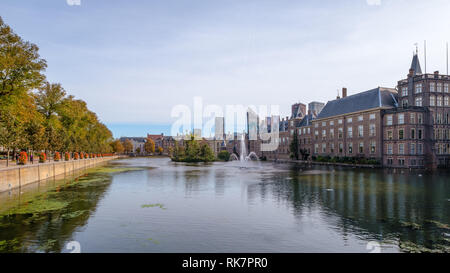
[{"x": 20, "y": 176}]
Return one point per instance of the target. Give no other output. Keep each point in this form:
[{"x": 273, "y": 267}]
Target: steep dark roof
[
  {"x": 306, "y": 121},
  {"x": 415, "y": 65},
  {"x": 378, "y": 97}
]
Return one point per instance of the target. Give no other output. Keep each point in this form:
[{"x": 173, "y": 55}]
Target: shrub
[
  {"x": 76, "y": 156},
  {"x": 67, "y": 156},
  {"x": 42, "y": 157},
  {"x": 224, "y": 156},
  {"x": 23, "y": 157},
  {"x": 57, "y": 157}
]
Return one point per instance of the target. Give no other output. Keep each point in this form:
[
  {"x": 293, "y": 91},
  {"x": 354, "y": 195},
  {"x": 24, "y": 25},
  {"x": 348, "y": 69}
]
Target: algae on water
[{"x": 159, "y": 205}]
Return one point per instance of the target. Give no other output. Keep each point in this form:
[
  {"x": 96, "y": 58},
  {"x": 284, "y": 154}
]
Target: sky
[{"x": 133, "y": 61}]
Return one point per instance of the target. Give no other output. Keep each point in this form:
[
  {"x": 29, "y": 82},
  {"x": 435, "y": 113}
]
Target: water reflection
[{"x": 222, "y": 207}]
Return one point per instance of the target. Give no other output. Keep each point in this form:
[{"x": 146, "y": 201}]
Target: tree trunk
[{"x": 7, "y": 158}]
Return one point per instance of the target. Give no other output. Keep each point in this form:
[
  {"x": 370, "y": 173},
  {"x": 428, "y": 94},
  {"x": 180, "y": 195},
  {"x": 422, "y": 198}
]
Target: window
[
  {"x": 372, "y": 130},
  {"x": 401, "y": 118},
  {"x": 361, "y": 147},
  {"x": 360, "y": 131},
  {"x": 316, "y": 133},
  {"x": 419, "y": 148},
  {"x": 316, "y": 148},
  {"x": 316, "y": 125},
  {"x": 324, "y": 133},
  {"x": 373, "y": 146},
  {"x": 324, "y": 123},
  {"x": 401, "y": 162},
  {"x": 432, "y": 101},
  {"x": 332, "y": 147},
  {"x": 389, "y": 149},
  {"x": 372, "y": 116},
  {"x": 405, "y": 91},
  {"x": 389, "y": 161},
  {"x": 401, "y": 148},
  {"x": 332, "y": 123},
  {"x": 418, "y": 88},
  {"x": 389, "y": 135},
  {"x": 405, "y": 103},
  {"x": 432, "y": 87},
  {"x": 299, "y": 132},
  {"x": 324, "y": 147},
  {"x": 349, "y": 120},
  {"x": 340, "y": 133},
  {"x": 350, "y": 148},
  {"x": 413, "y": 149},
  {"x": 412, "y": 118},
  {"x": 360, "y": 118},
  {"x": 331, "y": 133},
  {"x": 340, "y": 121},
  {"x": 350, "y": 132},
  {"x": 341, "y": 148},
  {"x": 439, "y": 87},
  {"x": 418, "y": 101},
  {"x": 439, "y": 101},
  {"x": 420, "y": 118},
  {"x": 401, "y": 134},
  {"x": 446, "y": 88},
  {"x": 413, "y": 133},
  {"x": 389, "y": 120},
  {"x": 419, "y": 134},
  {"x": 446, "y": 101}
]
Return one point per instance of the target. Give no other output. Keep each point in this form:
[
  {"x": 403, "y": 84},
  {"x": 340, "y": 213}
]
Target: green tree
[
  {"x": 294, "y": 146},
  {"x": 224, "y": 155},
  {"x": 117, "y": 146}
]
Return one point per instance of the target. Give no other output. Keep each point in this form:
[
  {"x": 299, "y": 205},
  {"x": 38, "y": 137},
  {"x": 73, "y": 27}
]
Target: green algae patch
[
  {"x": 411, "y": 247},
  {"x": 74, "y": 214},
  {"x": 10, "y": 246},
  {"x": 48, "y": 245},
  {"x": 410, "y": 225},
  {"x": 36, "y": 206},
  {"x": 114, "y": 170},
  {"x": 153, "y": 241},
  {"x": 157, "y": 205}
]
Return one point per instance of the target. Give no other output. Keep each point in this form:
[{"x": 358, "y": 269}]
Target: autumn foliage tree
[{"x": 149, "y": 146}]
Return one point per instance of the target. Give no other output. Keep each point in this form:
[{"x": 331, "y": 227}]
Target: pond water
[{"x": 155, "y": 205}]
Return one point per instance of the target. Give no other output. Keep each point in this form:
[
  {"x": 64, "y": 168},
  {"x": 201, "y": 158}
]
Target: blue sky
[{"x": 132, "y": 61}]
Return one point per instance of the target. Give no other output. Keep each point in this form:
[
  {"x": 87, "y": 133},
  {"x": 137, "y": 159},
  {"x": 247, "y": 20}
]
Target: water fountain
[{"x": 243, "y": 157}]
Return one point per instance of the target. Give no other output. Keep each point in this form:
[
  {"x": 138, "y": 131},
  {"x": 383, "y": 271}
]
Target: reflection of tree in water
[
  {"x": 48, "y": 231},
  {"x": 369, "y": 203}
]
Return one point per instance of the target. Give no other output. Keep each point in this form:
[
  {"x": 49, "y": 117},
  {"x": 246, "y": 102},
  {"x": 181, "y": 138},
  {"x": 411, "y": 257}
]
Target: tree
[
  {"x": 117, "y": 146},
  {"x": 20, "y": 72},
  {"x": 206, "y": 153},
  {"x": 160, "y": 150},
  {"x": 149, "y": 146},
  {"x": 128, "y": 146},
  {"x": 294, "y": 146},
  {"x": 138, "y": 150},
  {"x": 224, "y": 155}
]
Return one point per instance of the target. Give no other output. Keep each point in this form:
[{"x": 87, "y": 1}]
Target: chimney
[
  {"x": 344, "y": 92},
  {"x": 337, "y": 97}
]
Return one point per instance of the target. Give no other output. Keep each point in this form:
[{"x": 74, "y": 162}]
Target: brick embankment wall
[{"x": 20, "y": 176}]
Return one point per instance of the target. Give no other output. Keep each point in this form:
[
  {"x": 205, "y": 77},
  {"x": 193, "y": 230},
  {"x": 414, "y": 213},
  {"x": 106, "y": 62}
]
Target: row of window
[
  {"x": 360, "y": 147},
  {"x": 340, "y": 121},
  {"x": 401, "y": 119},
  {"x": 401, "y": 162},
  {"x": 414, "y": 149},
  {"x": 434, "y": 87},
  {"x": 372, "y": 132},
  {"x": 401, "y": 134}
]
